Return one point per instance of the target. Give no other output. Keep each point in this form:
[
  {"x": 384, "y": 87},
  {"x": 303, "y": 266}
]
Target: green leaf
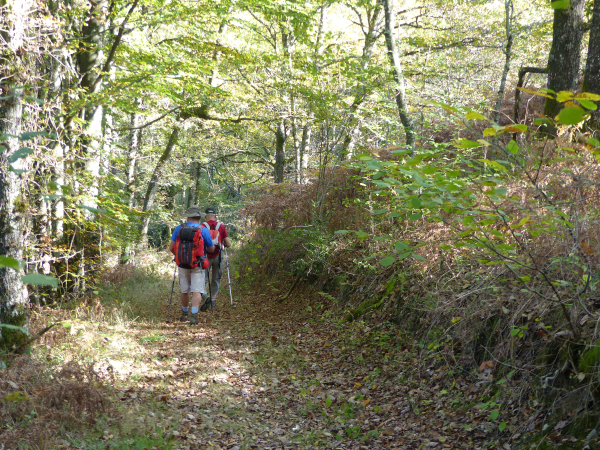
[
  {"x": 328, "y": 401},
  {"x": 512, "y": 147},
  {"x": 466, "y": 144},
  {"x": 514, "y": 332},
  {"x": 564, "y": 96},
  {"x": 494, "y": 414},
  {"x": 23, "y": 152},
  {"x": 14, "y": 327},
  {"x": 401, "y": 246},
  {"x": 587, "y": 104},
  {"x": 416, "y": 203},
  {"x": 380, "y": 211},
  {"x": 541, "y": 121},
  {"x": 415, "y": 217},
  {"x": 571, "y": 115},
  {"x": 39, "y": 279},
  {"x": 472, "y": 115},
  {"x": 496, "y": 165},
  {"x": 365, "y": 158},
  {"x": 489, "y": 132},
  {"x": 404, "y": 255},
  {"x": 419, "y": 257},
  {"x": 66, "y": 324},
  {"x": 387, "y": 261},
  {"x": 6, "y": 261},
  {"x": 561, "y": 4},
  {"x": 32, "y": 134},
  {"x": 341, "y": 231},
  {"x": 89, "y": 208},
  {"x": 39, "y": 101},
  {"x": 502, "y": 426}
]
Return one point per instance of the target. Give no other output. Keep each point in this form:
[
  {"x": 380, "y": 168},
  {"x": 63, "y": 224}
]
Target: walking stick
[
  {"x": 228, "y": 277},
  {"x": 212, "y": 306},
  {"x": 170, "y": 301}
]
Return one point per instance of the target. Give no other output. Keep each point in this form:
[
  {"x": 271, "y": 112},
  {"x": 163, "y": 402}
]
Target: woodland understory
[{"x": 412, "y": 189}]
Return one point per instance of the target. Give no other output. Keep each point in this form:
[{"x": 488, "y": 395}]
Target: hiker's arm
[
  {"x": 172, "y": 247},
  {"x": 210, "y": 249},
  {"x": 227, "y": 242}
]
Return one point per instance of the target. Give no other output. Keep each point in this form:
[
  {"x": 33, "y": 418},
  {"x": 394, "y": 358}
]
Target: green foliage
[{"x": 590, "y": 360}]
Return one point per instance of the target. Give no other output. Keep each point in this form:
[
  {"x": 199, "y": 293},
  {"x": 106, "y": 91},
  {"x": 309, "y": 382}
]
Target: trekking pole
[
  {"x": 170, "y": 301},
  {"x": 212, "y": 307},
  {"x": 228, "y": 277}
]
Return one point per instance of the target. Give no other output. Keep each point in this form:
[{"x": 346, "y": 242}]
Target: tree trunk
[
  {"x": 509, "y": 10},
  {"x": 153, "y": 183},
  {"x": 90, "y": 59},
  {"x": 591, "y": 81},
  {"x": 565, "y": 53},
  {"x": 280, "y": 138},
  {"x": 371, "y": 35},
  {"x": 394, "y": 57},
  {"x": 13, "y": 205},
  {"x": 132, "y": 154},
  {"x": 305, "y": 147}
]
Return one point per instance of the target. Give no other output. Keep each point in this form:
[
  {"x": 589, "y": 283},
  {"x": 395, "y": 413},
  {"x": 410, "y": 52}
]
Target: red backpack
[
  {"x": 189, "y": 248},
  {"x": 215, "y": 236}
]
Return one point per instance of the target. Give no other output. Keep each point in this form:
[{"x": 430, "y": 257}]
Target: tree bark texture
[
  {"x": 154, "y": 180},
  {"x": 565, "y": 53},
  {"x": 132, "y": 156},
  {"x": 394, "y": 58},
  {"x": 305, "y": 146},
  {"x": 591, "y": 80},
  {"x": 90, "y": 58},
  {"x": 13, "y": 206},
  {"x": 280, "y": 138}
]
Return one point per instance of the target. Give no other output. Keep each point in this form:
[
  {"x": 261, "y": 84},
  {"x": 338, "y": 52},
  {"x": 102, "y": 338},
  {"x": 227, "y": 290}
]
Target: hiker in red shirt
[{"x": 219, "y": 234}]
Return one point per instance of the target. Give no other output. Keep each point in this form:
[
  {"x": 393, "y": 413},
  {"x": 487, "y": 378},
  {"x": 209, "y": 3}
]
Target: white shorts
[{"x": 191, "y": 280}]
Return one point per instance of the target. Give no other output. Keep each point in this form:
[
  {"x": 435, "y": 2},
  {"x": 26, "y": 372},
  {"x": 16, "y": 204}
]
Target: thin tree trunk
[
  {"x": 591, "y": 81},
  {"x": 153, "y": 183},
  {"x": 305, "y": 147},
  {"x": 509, "y": 10},
  {"x": 565, "y": 54},
  {"x": 132, "y": 156},
  {"x": 13, "y": 205},
  {"x": 280, "y": 138},
  {"x": 371, "y": 36},
  {"x": 394, "y": 57}
]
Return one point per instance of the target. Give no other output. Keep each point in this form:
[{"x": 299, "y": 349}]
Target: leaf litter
[{"x": 265, "y": 375}]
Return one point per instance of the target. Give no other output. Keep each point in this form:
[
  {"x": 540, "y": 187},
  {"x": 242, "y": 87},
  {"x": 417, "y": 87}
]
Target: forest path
[{"x": 264, "y": 375}]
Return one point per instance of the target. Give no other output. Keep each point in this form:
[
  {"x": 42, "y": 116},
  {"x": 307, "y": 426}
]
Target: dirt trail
[{"x": 268, "y": 376}]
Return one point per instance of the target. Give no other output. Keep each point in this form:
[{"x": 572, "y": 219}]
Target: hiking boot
[
  {"x": 184, "y": 316},
  {"x": 205, "y": 304},
  {"x": 194, "y": 319}
]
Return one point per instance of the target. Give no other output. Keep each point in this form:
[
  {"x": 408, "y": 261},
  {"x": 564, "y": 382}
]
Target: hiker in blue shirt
[{"x": 192, "y": 280}]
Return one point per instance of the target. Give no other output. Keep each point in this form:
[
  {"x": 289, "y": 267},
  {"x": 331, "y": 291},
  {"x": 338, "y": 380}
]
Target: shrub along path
[{"x": 265, "y": 375}]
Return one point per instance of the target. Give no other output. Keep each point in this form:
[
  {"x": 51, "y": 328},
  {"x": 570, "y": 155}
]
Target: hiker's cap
[
  {"x": 193, "y": 211},
  {"x": 210, "y": 210}
]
